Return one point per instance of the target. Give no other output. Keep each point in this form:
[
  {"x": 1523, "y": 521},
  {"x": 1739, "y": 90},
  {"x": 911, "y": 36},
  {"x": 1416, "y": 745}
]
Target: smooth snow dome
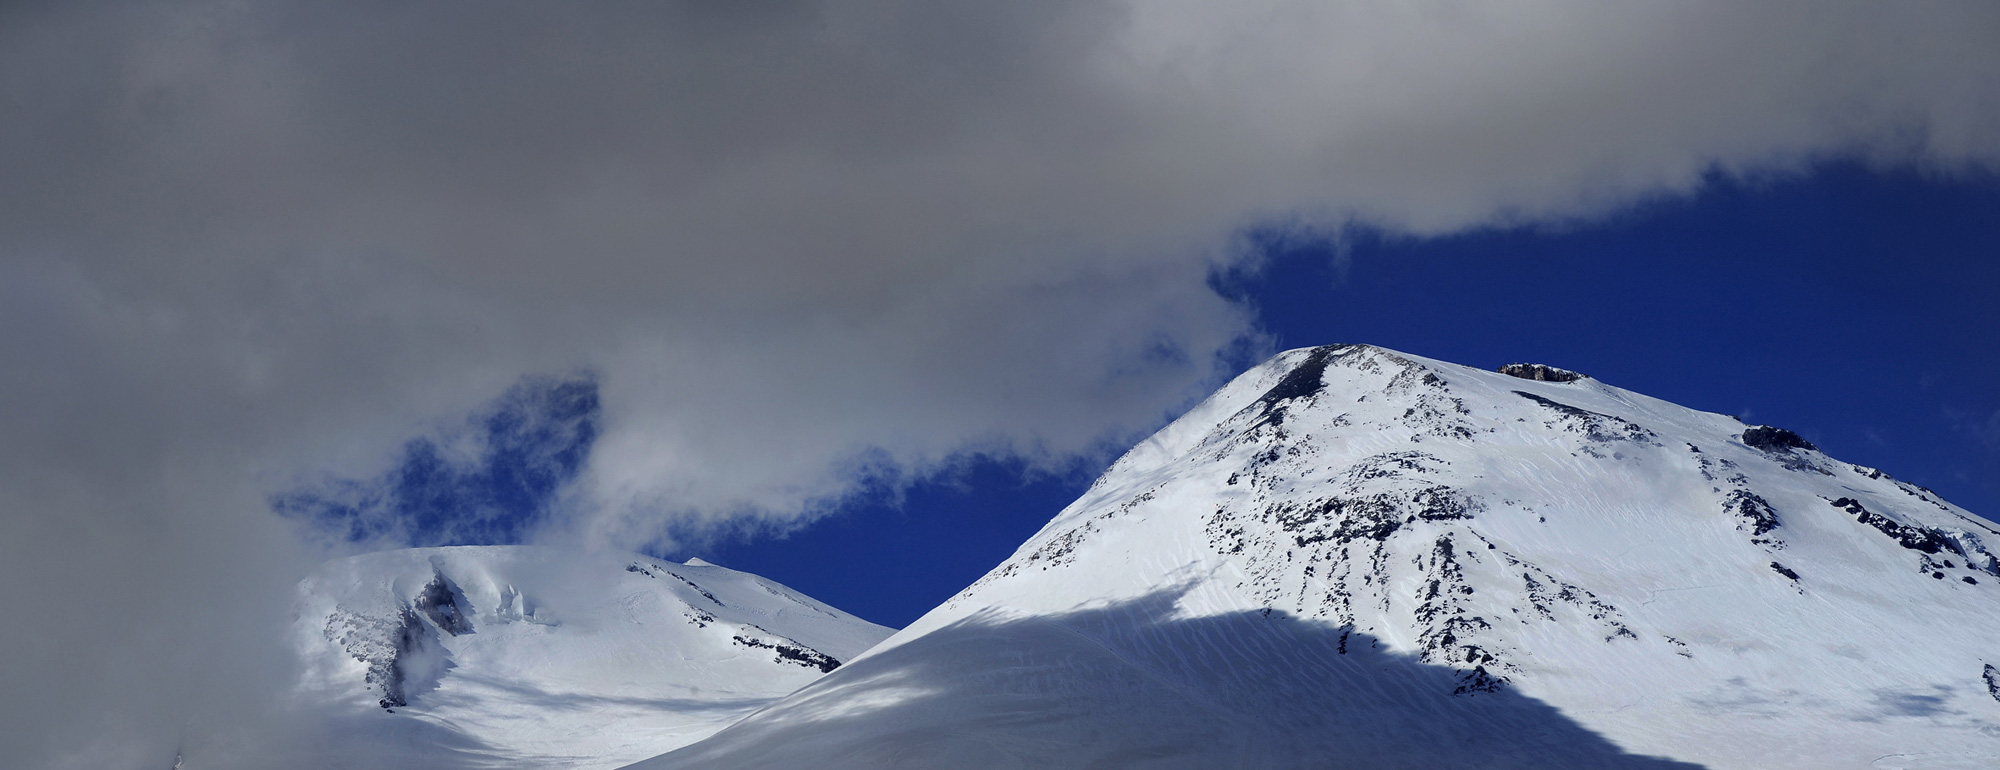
[
  {"x": 520, "y": 656},
  {"x": 1350, "y": 557}
]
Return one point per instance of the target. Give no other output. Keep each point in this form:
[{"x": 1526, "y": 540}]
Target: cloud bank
[{"x": 790, "y": 242}]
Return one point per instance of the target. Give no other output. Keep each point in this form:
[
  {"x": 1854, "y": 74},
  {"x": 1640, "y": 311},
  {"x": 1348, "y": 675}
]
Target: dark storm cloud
[{"x": 245, "y": 241}]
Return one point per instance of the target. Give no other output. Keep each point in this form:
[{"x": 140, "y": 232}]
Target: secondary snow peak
[{"x": 528, "y": 656}]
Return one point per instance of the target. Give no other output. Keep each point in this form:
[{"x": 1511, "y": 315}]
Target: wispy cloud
[
  {"x": 493, "y": 479},
  {"x": 1982, "y": 427}
]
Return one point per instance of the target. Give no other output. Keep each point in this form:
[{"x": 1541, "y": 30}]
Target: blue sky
[
  {"x": 1860, "y": 309},
  {"x": 491, "y": 479},
  {"x": 1855, "y": 307}
]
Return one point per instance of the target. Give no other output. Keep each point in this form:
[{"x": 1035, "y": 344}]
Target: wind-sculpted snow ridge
[
  {"x": 485, "y": 656},
  {"x": 1352, "y": 557}
]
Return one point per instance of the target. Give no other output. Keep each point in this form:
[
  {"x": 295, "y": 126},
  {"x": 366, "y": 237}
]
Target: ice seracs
[
  {"x": 484, "y": 656},
  {"x": 1354, "y": 557}
]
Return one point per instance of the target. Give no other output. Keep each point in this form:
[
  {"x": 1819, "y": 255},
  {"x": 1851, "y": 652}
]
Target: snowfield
[
  {"x": 1350, "y": 557},
  {"x": 518, "y": 656}
]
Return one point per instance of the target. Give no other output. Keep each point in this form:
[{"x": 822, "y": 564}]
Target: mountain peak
[{"x": 1536, "y": 553}]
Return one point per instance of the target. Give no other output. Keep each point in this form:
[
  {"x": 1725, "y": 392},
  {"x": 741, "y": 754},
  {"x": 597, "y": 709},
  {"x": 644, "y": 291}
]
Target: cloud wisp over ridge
[{"x": 245, "y": 242}]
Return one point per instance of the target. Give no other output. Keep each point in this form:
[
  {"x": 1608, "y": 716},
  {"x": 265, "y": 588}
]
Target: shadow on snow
[{"x": 1133, "y": 684}]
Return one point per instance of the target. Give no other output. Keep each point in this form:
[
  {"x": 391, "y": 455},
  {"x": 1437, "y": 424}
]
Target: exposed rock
[
  {"x": 1780, "y": 446},
  {"x": 1478, "y": 681},
  {"x": 1771, "y": 439},
  {"x": 1752, "y": 510},
  {"x": 390, "y": 647},
  {"x": 1374, "y": 517},
  {"x": 1923, "y": 539},
  {"x": 1305, "y": 379},
  {"x": 441, "y": 602},
  {"x": 1541, "y": 373},
  {"x": 793, "y": 653}
]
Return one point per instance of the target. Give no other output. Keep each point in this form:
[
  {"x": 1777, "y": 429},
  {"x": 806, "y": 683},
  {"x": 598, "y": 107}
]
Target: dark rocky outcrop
[
  {"x": 390, "y": 647},
  {"x": 1771, "y": 439},
  {"x": 1541, "y": 373},
  {"x": 1752, "y": 510},
  {"x": 1925, "y": 539},
  {"x": 1342, "y": 520},
  {"x": 793, "y": 653},
  {"x": 1782, "y": 446},
  {"x": 391, "y": 675},
  {"x": 1306, "y": 379},
  {"x": 1478, "y": 681},
  {"x": 442, "y": 602}
]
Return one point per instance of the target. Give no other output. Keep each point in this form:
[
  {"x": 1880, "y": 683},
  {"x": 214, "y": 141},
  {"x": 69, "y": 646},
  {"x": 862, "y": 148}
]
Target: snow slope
[
  {"x": 518, "y": 656},
  {"x": 1351, "y": 557}
]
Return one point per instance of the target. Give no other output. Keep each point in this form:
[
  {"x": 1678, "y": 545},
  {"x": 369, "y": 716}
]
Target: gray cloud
[{"x": 244, "y": 242}]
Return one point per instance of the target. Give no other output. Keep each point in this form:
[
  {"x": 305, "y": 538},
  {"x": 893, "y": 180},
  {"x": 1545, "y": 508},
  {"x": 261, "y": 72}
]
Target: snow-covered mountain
[
  {"x": 518, "y": 656},
  {"x": 1351, "y": 557}
]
